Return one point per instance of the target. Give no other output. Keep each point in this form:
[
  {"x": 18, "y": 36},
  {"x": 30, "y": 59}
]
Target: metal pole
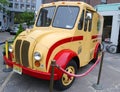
[
  {"x": 7, "y": 68},
  {"x": 99, "y": 74},
  {"x": 52, "y": 75},
  {"x": 98, "y": 86},
  {"x": 6, "y": 48}
]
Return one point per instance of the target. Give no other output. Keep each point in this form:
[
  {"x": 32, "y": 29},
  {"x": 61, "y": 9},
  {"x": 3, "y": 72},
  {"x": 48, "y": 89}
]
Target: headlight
[
  {"x": 37, "y": 56},
  {"x": 10, "y": 49}
]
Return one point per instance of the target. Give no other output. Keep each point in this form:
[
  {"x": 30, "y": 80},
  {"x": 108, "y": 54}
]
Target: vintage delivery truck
[{"x": 68, "y": 32}]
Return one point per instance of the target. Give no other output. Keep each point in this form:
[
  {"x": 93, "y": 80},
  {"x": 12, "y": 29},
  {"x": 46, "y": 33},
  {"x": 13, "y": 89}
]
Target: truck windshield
[
  {"x": 66, "y": 16},
  {"x": 45, "y": 17}
]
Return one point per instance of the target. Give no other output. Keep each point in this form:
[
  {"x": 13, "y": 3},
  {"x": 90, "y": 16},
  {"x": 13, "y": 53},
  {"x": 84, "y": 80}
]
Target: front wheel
[{"x": 66, "y": 81}]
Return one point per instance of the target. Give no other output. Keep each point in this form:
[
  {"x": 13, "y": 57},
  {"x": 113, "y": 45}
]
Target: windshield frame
[{"x": 53, "y": 18}]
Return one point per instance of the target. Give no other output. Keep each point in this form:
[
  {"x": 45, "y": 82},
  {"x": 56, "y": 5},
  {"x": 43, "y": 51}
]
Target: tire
[
  {"x": 65, "y": 82},
  {"x": 112, "y": 49}
]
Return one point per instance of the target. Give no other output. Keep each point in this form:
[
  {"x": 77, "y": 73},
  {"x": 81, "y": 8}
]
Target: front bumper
[{"x": 31, "y": 72}]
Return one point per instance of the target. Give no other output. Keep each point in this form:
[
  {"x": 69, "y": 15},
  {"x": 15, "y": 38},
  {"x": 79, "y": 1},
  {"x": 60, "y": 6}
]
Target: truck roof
[{"x": 74, "y": 3}]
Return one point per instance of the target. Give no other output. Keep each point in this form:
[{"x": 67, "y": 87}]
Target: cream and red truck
[{"x": 67, "y": 32}]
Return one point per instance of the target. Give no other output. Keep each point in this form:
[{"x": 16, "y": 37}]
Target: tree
[
  {"x": 4, "y": 2},
  {"x": 25, "y": 17}
]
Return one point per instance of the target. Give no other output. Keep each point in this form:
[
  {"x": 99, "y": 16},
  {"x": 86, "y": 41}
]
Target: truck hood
[{"x": 46, "y": 38}]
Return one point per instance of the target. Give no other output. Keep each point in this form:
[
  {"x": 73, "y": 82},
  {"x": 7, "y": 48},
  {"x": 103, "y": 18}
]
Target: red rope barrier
[{"x": 83, "y": 74}]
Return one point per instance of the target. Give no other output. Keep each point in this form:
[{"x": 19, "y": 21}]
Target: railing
[{"x": 96, "y": 86}]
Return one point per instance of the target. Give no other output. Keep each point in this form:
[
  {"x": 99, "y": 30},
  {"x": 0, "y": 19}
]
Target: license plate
[{"x": 17, "y": 69}]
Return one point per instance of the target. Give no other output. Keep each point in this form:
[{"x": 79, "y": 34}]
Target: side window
[
  {"x": 80, "y": 25},
  {"x": 88, "y": 21}
]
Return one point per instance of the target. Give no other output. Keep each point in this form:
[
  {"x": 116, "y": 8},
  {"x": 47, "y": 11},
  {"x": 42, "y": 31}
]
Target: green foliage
[
  {"x": 25, "y": 17},
  {"x": 19, "y": 31},
  {"x": 4, "y": 2}
]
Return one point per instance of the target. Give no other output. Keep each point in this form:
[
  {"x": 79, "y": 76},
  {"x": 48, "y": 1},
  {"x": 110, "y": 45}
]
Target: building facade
[
  {"x": 22, "y": 5},
  {"x": 111, "y": 30},
  {"x": 3, "y": 17},
  {"x": 15, "y": 6}
]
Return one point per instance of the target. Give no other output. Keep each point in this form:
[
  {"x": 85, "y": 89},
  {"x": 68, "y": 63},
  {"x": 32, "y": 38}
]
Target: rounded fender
[
  {"x": 96, "y": 48},
  {"x": 62, "y": 59}
]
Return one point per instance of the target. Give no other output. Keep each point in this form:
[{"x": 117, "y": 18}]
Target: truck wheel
[{"x": 66, "y": 81}]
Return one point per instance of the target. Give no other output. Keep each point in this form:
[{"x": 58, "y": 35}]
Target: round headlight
[
  {"x": 10, "y": 49},
  {"x": 37, "y": 56}
]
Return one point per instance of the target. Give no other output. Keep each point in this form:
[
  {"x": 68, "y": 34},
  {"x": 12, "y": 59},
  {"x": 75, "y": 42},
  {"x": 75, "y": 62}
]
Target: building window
[
  {"x": 11, "y": 5},
  {"x": 33, "y": 1},
  {"x": 33, "y": 8},
  {"x": 103, "y": 1},
  {"x": 28, "y": 7},
  {"x": 16, "y": 0},
  {"x": 22, "y": 0},
  {"x": 22, "y": 6},
  {"x": 16, "y": 6},
  {"x": 28, "y": 1},
  {"x": 1, "y": 8}
]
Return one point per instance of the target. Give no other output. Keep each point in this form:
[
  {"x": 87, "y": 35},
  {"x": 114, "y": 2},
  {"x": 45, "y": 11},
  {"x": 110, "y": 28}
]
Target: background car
[
  {"x": 2, "y": 29},
  {"x": 14, "y": 30}
]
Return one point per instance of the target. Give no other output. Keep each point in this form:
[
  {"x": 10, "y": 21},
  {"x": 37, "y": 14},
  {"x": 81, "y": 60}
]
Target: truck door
[{"x": 87, "y": 35}]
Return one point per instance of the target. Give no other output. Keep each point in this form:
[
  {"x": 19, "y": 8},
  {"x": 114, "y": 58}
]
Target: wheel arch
[
  {"x": 77, "y": 61},
  {"x": 65, "y": 55}
]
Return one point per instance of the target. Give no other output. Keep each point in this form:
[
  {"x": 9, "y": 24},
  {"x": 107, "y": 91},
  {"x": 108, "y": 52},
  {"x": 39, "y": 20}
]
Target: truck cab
[{"x": 67, "y": 32}]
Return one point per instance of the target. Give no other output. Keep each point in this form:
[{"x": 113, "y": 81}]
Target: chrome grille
[
  {"x": 17, "y": 51},
  {"x": 24, "y": 53},
  {"x": 22, "y": 49}
]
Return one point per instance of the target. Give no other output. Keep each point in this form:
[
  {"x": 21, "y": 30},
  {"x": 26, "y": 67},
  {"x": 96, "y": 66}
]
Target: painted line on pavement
[
  {"x": 6, "y": 81},
  {"x": 115, "y": 69}
]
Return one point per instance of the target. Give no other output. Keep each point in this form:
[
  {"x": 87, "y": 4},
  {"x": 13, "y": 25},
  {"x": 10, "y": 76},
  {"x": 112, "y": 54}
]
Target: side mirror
[{"x": 89, "y": 16}]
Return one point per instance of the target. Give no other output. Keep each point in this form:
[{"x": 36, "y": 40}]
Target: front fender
[{"x": 62, "y": 59}]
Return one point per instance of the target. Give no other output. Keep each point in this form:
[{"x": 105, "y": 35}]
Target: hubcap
[{"x": 66, "y": 80}]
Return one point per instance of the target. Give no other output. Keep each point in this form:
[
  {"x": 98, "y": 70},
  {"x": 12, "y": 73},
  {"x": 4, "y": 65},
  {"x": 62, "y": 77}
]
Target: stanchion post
[
  {"x": 52, "y": 76},
  {"x": 98, "y": 86},
  {"x": 101, "y": 64},
  {"x": 7, "y": 69}
]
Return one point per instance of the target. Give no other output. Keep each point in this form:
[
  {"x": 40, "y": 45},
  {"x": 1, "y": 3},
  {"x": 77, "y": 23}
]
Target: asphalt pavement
[{"x": 110, "y": 77}]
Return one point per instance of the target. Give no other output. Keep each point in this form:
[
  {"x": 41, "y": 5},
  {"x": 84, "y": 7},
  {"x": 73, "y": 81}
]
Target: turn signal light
[
  {"x": 78, "y": 3},
  {"x": 63, "y": 2},
  {"x": 53, "y": 2},
  {"x": 37, "y": 63}
]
